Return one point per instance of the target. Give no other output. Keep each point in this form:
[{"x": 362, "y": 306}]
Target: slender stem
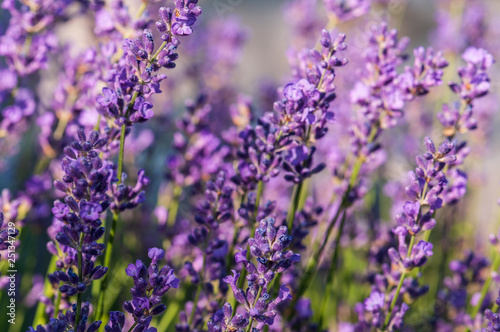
[
  {"x": 398, "y": 289},
  {"x": 40, "y": 318},
  {"x": 61, "y": 125},
  {"x": 121, "y": 153},
  {"x": 314, "y": 261},
  {"x": 58, "y": 302},
  {"x": 304, "y": 192},
  {"x": 172, "y": 312},
  {"x": 330, "y": 281},
  {"x": 98, "y": 123},
  {"x": 174, "y": 206},
  {"x": 260, "y": 187},
  {"x": 112, "y": 231},
  {"x": 198, "y": 289},
  {"x": 294, "y": 205},
  {"x": 142, "y": 8},
  {"x": 27, "y": 44},
  {"x": 132, "y": 327},
  {"x": 394, "y": 300},
  {"x": 486, "y": 286},
  {"x": 79, "y": 297},
  {"x": 107, "y": 261},
  {"x": 162, "y": 46},
  {"x": 255, "y": 302}
]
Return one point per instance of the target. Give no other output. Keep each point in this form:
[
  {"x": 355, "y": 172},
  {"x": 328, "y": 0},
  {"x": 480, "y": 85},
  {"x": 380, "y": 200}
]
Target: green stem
[
  {"x": 260, "y": 187},
  {"x": 304, "y": 192},
  {"x": 107, "y": 261},
  {"x": 198, "y": 290},
  {"x": 172, "y": 312},
  {"x": 27, "y": 44},
  {"x": 255, "y": 302},
  {"x": 40, "y": 318},
  {"x": 142, "y": 9},
  {"x": 486, "y": 287},
  {"x": 394, "y": 300},
  {"x": 57, "y": 304},
  {"x": 174, "y": 206},
  {"x": 313, "y": 263},
  {"x": 98, "y": 123},
  {"x": 112, "y": 231},
  {"x": 132, "y": 327},
  {"x": 293, "y": 207},
  {"x": 162, "y": 46},
  {"x": 330, "y": 281},
  {"x": 61, "y": 125},
  {"x": 121, "y": 153},
  {"x": 398, "y": 289},
  {"x": 79, "y": 297}
]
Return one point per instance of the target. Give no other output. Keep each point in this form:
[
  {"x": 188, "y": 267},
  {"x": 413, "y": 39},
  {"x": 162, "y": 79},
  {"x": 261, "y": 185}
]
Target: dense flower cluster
[
  {"x": 268, "y": 248},
  {"x": 281, "y": 205},
  {"x": 150, "y": 284}
]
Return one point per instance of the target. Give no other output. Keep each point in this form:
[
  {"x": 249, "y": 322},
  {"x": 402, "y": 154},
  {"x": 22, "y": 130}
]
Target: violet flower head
[
  {"x": 150, "y": 284},
  {"x": 427, "y": 72},
  {"x": 128, "y": 197},
  {"x": 217, "y": 207},
  {"x": 378, "y": 93},
  {"x": 492, "y": 318},
  {"x": 269, "y": 249},
  {"x": 66, "y": 322},
  {"x": 303, "y": 114},
  {"x": 256, "y": 301},
  {"x": 474, "y": 84},
  {"x": 223, "y": 320},
  {"x": 28, "y": 39},
  {"x": 116, "y": 322},
  {"x": 213, "y": 212},
  {"x": 136, "y": 76},
  {"x": 85, "y": 184},
  {"x": 347, "y": 10},
  {"x": 258, "y": 160},
  {"x": 199, "y": 153}
]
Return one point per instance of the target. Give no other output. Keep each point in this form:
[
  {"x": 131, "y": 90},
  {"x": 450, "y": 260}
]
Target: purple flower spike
[{"x": 150, "y": 284}]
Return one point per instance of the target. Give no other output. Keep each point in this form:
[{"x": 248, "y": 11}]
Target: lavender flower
[
  {"x": 268, "y": 247},
  {"x": 346, "y": 10},
  {"x": 150, "y": 284},
  {"x": 135, "y": 77},
  {"x": 69, "y": 321},
  {"x": 474, "y": 84}
]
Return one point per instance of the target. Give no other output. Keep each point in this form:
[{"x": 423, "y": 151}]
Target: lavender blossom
[
  {"x": 347, "y": 10},
  {"x": 150, "y": 284},
  {"x": 474, "y": 84},
  {"x": 268, "y": 247}
]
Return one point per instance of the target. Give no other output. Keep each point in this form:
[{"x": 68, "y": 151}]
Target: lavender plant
[{"x": 282, "y": 198}]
